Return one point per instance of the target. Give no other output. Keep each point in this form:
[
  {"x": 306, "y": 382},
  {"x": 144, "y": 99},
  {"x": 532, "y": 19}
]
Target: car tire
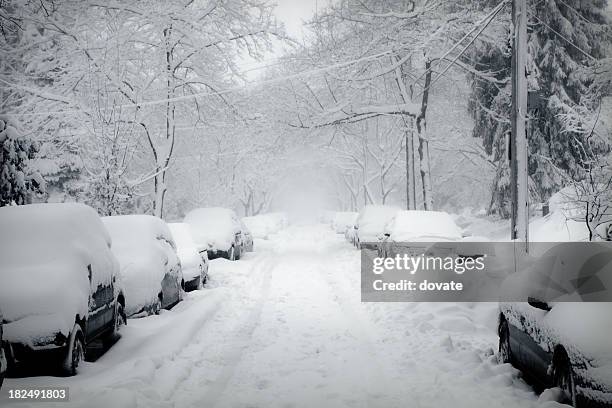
[
  {"x": 563, "y": 378},
  {"x": 505, "y": 352},
  {"x": 232, "y": 254},
  {"x": 75, "y": 352}
]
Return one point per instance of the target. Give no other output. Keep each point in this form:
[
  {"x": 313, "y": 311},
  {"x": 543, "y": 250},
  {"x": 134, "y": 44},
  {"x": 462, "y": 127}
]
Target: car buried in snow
[
  {"x": 343, "y": 221},
  {"x": 555, "y": 323},
  {"x": 217, "y": 231},
  {"x": 370, "y": 225},
  {"x": 59, "y": 284},
  {"x": 433, "y": 231},
  {"x": 246, "y": 238},
  {"x": 563, "y": 345},
  {"x": 194, "y": 265},
  {"x": 151, "y": 271}
]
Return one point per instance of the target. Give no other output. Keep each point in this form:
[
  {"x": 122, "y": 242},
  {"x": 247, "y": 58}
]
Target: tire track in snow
[{"x": 233, "y": 356}]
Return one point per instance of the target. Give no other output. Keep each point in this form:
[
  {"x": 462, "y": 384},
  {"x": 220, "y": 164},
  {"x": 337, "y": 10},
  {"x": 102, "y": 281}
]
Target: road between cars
[{"x": 285, "y": 327}]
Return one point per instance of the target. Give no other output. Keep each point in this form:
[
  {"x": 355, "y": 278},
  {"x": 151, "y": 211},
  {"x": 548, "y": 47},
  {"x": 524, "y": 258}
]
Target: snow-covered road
[{"x": 284, "y": 327}]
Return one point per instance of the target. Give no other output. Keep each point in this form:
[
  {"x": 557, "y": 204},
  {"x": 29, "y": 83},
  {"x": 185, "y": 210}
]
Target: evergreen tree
[
  {"x": 17, "y": 182},
  {"x": 566, "y": 38}
]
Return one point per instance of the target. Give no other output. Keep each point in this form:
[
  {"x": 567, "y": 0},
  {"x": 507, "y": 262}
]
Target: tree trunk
[{"x": 421, "y": 124}]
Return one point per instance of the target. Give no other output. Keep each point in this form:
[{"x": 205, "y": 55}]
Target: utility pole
[{"x": 518, "y": 144}]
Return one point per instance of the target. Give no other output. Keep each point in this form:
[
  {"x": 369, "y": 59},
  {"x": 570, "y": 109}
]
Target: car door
[
  {"x": 100, "y": 305},
  {"x": 532, "y": 356}
]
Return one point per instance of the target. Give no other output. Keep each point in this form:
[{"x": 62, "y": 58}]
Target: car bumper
[{"x": 216, "y": 253}]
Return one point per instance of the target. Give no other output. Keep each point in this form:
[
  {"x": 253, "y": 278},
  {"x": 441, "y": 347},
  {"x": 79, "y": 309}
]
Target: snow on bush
[
  {"x": 342, "y": 221},
  {"x": 146, "y": 251},
  {"x": 45, "y": 251},
  {"x": 17, "y": 180},
  {"x": 191, "y": 261},
  {"x": 213, "y": 228},
  {"x": 423, "y": 225},
  {"x": 372, "y": 221}
]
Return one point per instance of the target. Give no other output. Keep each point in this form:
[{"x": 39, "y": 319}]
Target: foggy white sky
[{"x": 292, "y": 13}]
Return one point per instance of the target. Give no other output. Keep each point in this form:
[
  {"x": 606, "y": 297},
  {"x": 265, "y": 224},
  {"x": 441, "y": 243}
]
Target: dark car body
[{"x": 532, "y": 342}]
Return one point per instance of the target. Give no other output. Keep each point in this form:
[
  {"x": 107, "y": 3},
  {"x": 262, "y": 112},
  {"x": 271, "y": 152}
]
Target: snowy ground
[{"x": 284, "y": 327}]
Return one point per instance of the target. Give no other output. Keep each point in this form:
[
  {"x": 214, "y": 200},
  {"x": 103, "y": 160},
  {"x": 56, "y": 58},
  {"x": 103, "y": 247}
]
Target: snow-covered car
[
  {"x": 59, "y": 283},
  {"x": 351, "y": 235},
  {"x": 246, "y": 238},
  {"x": 414, "y": 226},
  {"x": 563, "y": 345},
  {"x": 343, "y": 221},
  {"x": 217, "y": 231},
  {"x": 370, "y": 225},
  {"x": 3, "y": 362},
  {"x": 258, "y": 225},
  {"x": 433, "y": 231},
  {"x": 193, "y": 265},
  {"x": 151, "y": 272}
]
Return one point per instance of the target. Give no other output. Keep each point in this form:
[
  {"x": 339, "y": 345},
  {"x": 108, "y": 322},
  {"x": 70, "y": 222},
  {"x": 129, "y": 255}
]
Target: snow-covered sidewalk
[{"x": 284, "y": 327}]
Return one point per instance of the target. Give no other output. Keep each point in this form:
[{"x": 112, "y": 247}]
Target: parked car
[
  {"x": 3, "y": 362},
  {"x": 247, "y": 238},
  {"x": 343, "y": 221},
  {"x": 418, "y": 226},
  {"x": 59, "y": 283},
  {"x": 194, "y": 266},
  {"x": 217, "y": 231},
  {"x": 150, "y": 267},
  {"x": 351, "y": 235},
  {"x": 371, "y": 223},
  {"x": 564, "y": 345}
]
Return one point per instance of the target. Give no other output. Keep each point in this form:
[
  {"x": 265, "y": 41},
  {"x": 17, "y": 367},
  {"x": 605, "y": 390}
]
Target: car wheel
[
  {"x": 505, "y": 353},
  {"x": 232, "y": 254},
  {"x": 563, "y": 377},
  {"x": 75, "y": 352}
]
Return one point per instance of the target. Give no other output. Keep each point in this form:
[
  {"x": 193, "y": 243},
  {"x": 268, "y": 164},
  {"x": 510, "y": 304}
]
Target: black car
[{"x": 58, "y": 283}]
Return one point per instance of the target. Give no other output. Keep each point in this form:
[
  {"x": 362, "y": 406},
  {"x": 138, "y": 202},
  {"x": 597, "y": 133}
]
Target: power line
[
  {"x": 563, "y": 37},
  {"x": 217, "y": 93}
]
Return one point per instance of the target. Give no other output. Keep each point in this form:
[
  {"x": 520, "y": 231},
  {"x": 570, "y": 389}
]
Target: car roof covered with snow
[
  {"x": 423, "y": 225},
  {"x": 213, "y": 228},
  {"x": 47, "y": 249}
]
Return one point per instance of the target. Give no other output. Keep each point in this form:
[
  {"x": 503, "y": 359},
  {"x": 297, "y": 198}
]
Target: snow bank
[
  {"x": 342, "y": 221},
  {"x": 187, "y": 250},
  {"x": 423, "y": 225},
  {"x": 372, "y": 221},
  {"x": 213, "y": 228},
  {"x": 563, "y": 223},
  {"x": 146, "y": 251},
  {"x": 45, "y": 251}
]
